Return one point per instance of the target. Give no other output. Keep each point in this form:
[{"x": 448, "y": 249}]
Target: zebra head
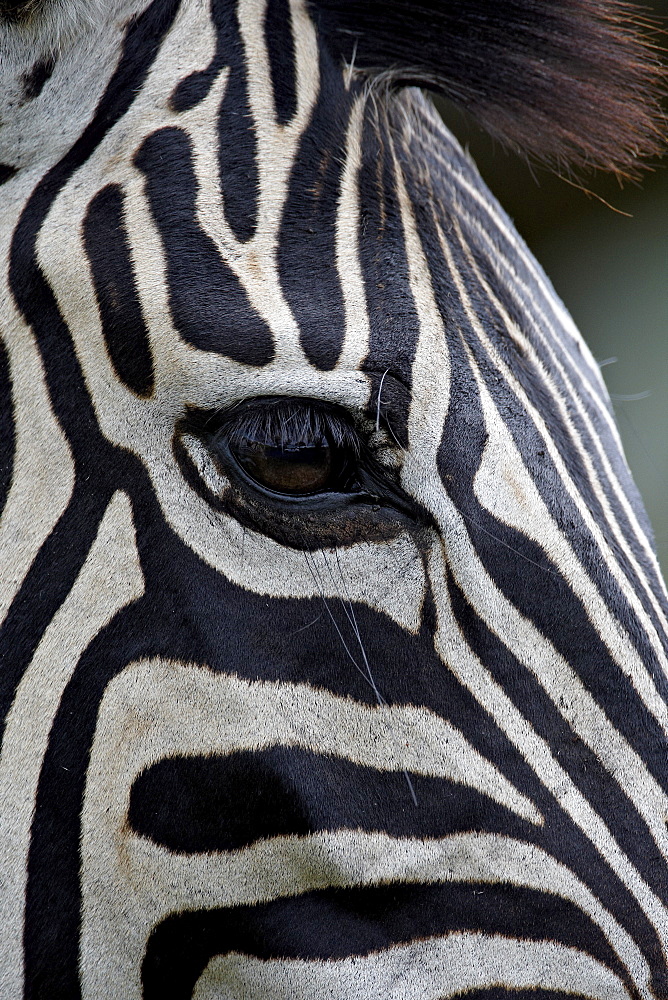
[{"x": 334, "y": 645}]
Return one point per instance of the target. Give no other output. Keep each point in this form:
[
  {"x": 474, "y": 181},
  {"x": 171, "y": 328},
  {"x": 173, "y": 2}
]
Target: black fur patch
[
  {"x": 125, "y": 333},
  {"x": 278, "y": 28},
  {"x": 34, "y": 80},
  {"x": 7, "y": 171},
  {"x": 224, "y": 803},
  {"x": 7, "y": 429},
  {"x": 571, "y": 81},
  {"x": 19, "y": 10}
]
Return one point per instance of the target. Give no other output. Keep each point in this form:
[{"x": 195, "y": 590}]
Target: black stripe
[
  {"x": 66, "y": 548},
  {"x": 507, "y": 993},
  {"x": 53, "y": 892},
  {"x": 195, "y": 87},
  {"x": 34, "y": 80},
  {"x": 123, "y": 326},
  {"x": 209, "y": 306},
  {"x": 7, "y": 172},
  {"x": 393, "y": 320},
  {"x": 307, "y": 239},
  {"x": 7, "y": 431},
  {"x": 224, "y": 803},
  {"x": 338, "y": 923},
  {"x": 237, "y": 144},
  {"x": 281, "y": 48}
]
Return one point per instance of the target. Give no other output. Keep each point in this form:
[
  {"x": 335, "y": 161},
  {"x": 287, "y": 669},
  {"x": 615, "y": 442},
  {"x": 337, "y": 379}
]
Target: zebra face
[{"x": 335, "y": 637}]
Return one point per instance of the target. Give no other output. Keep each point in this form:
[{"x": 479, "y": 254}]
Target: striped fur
[{"x": 254, "y": 752}]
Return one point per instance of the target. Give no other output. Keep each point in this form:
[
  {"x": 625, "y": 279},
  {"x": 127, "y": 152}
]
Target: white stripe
[
  {"x": 349, "y": 268},
  {"x": 172, "y": 708},
  {"x": 43, "y": 472},
  {"x": 423, "y": 970},
  {"x": 288, "y": 866},
  {"x": 431, "y": 366},
  {"x": 109, "y": 579}
]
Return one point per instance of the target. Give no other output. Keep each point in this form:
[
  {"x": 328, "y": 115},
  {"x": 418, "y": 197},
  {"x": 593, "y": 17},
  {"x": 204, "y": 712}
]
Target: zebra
[{"x": 334, "y": 640}]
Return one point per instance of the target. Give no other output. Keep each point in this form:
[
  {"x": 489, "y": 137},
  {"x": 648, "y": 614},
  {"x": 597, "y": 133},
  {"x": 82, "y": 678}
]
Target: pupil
[{"x": 301, "y": 469}]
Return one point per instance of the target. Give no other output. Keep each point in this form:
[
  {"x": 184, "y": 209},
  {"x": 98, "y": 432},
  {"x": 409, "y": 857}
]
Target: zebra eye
[
  {"x": 292, "y": 448},
  {"x": 297, "y": 470},
  {"x": 301, "y": 471}
]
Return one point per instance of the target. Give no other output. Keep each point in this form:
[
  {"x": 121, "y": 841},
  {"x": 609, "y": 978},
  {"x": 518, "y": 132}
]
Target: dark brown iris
[{"x": 296, "y": 470}]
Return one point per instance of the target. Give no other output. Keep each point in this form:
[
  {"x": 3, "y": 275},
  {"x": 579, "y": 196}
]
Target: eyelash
[{"x": 288, "y": 423}]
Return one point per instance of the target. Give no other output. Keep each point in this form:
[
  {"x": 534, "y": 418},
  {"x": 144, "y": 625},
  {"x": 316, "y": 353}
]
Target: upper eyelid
[{"x": 289, "y": 420}]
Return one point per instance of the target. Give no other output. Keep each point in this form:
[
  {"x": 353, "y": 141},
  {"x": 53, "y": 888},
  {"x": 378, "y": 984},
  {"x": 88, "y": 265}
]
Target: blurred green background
[{"x": 611, "y": 270}]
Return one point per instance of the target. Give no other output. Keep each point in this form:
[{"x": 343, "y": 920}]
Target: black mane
[{"x": 571, "y": 82}]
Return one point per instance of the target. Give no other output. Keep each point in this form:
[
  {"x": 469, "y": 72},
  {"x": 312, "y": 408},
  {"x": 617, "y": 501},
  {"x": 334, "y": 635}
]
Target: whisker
[
  {"x": 496, "y": 538},
  {"x": 396, "y": 439},
  {"x": 333, "y": 619},
  {"x": 367, "y": 677},
  {"x": 350, "y": 69},
  {"x": 350, "y": 614},
  {"x": 381, "y": 700},
  {"x": 380, "y": 389},
  {"x": 302, "y": 628}
]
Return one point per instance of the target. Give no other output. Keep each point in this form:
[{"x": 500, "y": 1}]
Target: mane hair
[
  {"x": 573, "y": 83},
  {"x": 15, "y": 10}
]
